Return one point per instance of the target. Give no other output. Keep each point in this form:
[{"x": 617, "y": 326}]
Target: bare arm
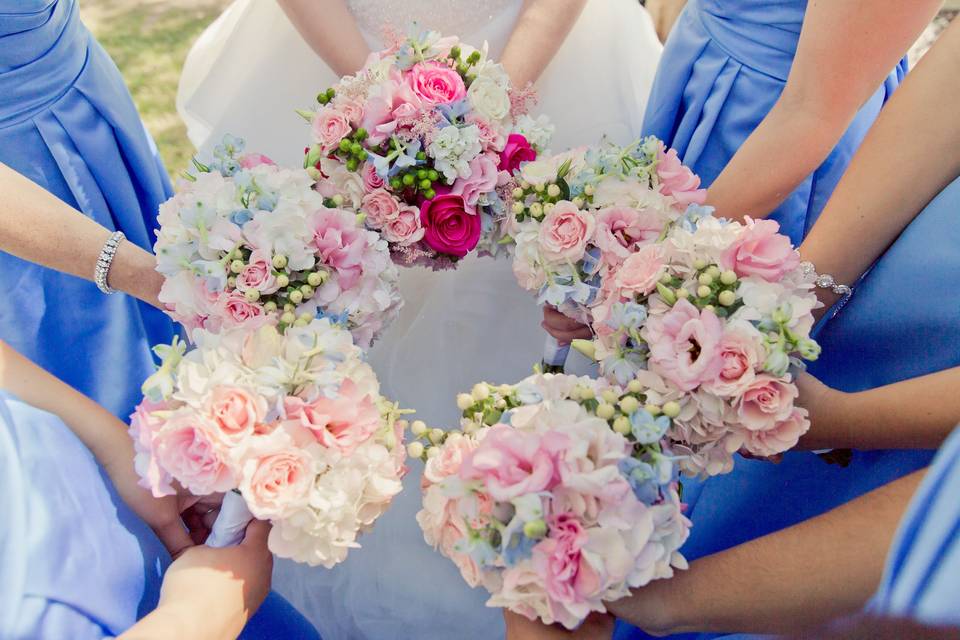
[
  {"x": 664, "y": 14},
  {"x": 36, "y": 226},
  {"x": 804, "y": 575},
  {"x": 846, "y": 49},
  {"x": 910, "y": 155},
  {"x": 330, "y": 30},
  {"x": 540, "y": 30}
]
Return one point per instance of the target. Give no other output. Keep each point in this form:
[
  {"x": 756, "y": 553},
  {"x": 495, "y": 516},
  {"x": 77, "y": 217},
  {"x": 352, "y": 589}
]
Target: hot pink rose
[
  {"x": 258, "y": 274},
  {"x": 565, "y": 231},
  {"x": 371, "y": 179},
  {"x": 516, "y": 151},
  {"x": 236, "y": 412},
  {"x": 251, "y": 160},
  {"x": 620, "y": 229},
  {"x": 344, "y": 422},
  {"x": 742, "y": 353},
  {"x": 511, "y": 463},
  {"x": 339, "y": 243},
  {"x": 685, "y": 345},
  {"x": 237, "y": 311},
  {"x": 783, "y": 436},
  {"x": 380, "y": 207},
  {"x": 330, "y": 126},
  {"x": 568, "y": 577},
  {"x": 448, "y": 228},
  {"x": 766, "y": 402},
  {"x": 436, "y": 83},
  {"x": 405, "y": 229},
  {"x": 677, "y": 180},
  {"x": 277, "y": 484},
  {"x": 762, "y": 251},
  {"x": 639, "y": 274},
  {"x": 482, "y": 180},
  {"x": 190, "y": 451}
]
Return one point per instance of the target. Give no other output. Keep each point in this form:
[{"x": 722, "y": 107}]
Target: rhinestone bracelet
[
  {"x": 102, "y": 270},
  {"x": 826, "y": 281}
]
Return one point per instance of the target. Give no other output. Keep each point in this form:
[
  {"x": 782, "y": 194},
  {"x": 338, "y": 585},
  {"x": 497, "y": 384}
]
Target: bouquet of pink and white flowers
[
  {"x": 421, "y": 140},
  {"x": 245, "y": 243},
  {"x": 722, "y": 312},
  {"x": 292, "y": 421},
  {"x": 578, "y": 215},
  {"x": 559, "y": 493}
]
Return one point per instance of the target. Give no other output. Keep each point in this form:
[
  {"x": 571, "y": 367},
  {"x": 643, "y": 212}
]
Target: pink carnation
[
  {"x": 568, "y": 577},
  {"x": 639, "y": 274},
  {"x": 482, "y": 180}
]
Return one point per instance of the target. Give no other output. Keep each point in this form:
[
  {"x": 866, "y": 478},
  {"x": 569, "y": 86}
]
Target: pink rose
[
  {"x": 765, "y": 403},
  {"x": 511, "y": 463},
  {"x": 188, "y": 449},
  {"x": 258, "y": 274},
  {"x": 741, "y": 355},
  {"x": 564, "y": 232},
  {"x": 677, "y": 180},
  {"x": 516, "y": 151},
  {"x": 762, "y": 251},
  {"x": 371, "y": 179},
  {"x": 405, "y": 229},
  {"x": 482, "y": 180},
  {"x": 236, "y": 412},
  {"x": 621, "y": 229},
  {"x": 685, "y": 345},
  {"x": 449, "y": 461},
  {"x": 781, "y": 437},
  {"x": 145, "y": 424},
  {"x": 251, "y": 160},
  {"x": 448, "y": 228},
  {"x": 276, "y": 484},
  {"x": 343, "y": 423},
  {"x": 380, "y": 207},
  {"x": 568, "y": 577},
  {"x": 236, "y": 311},
  {"x": 352, "y": 110},
  {"x": 435, "y": 83},
  {"x": 639, "y": 274},
  {"x": 339, "y": 243},
  {"x": 330, "y": 126}
]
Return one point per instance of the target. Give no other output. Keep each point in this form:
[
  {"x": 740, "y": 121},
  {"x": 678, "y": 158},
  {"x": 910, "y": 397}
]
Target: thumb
[{"x": 256, "y": 534}]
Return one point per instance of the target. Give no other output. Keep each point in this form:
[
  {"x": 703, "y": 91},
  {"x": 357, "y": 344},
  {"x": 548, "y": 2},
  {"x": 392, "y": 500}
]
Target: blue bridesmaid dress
[
  {"x": 723, "y": 67},
  {"x": 67, "y": 122},
  {"x": 77, "y": 563}
]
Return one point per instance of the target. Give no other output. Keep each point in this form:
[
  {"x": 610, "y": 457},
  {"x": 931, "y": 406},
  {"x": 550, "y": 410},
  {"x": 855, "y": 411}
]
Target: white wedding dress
[{"x": 246, "y": 75}]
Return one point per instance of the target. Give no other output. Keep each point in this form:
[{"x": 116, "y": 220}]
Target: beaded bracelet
[
  {"x": 826, "y": 281},
  {"x": 102, "y": 270}
]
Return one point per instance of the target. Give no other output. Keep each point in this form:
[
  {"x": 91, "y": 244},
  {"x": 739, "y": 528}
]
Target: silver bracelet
[
  {"x": 102, "y": 270},
  {"x": 826, "y": 281}
]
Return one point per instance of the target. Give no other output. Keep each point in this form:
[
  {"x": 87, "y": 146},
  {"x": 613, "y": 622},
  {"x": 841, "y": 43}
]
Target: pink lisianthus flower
[
  {"x": 677, "y": 180},
  {"x": 761, "y": 251},
  {"x": 640, "y": 272},
  {"x": 685, "y": 345},
  {"x": 145, "y": 424},
  {"x": 396, "y": 100},
  {"x": 620, "y": 230},
  {"x": 343, "y": 423},
  {"x": 339, "y": 243},
  {"x": 511, "y": 463}
]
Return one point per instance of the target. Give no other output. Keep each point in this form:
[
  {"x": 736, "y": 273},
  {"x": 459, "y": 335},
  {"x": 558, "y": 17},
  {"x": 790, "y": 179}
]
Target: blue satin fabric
[
  {"x": 77, "y": 563},
  {"x": 723, "y": 67},
  {"x": 67, "y": 122}
]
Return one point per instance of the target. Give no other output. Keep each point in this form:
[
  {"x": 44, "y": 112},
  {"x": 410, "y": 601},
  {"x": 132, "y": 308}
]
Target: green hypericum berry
[
  {"x": 395, "y": 183},
  {"x": 421, "y": 174},
  {"x": 322, "y": 98},
  {"x": 425, "y": 184},
  {"x": 408, "y": 179},
  {"x": 356, "y": 149},
  {"x": 474, "y": 57},
  {"x": 361, "y": 134},
  {"x": 352, "y": 164},
  {"x": 455, "y": 53},
  {"x": 421, "y": 155},
  {"x": 433, "y": 175},
  {"x": 331, "y": 93},
  {"x": 345, "y": 145},
  {"x": 429, "y": 194}
]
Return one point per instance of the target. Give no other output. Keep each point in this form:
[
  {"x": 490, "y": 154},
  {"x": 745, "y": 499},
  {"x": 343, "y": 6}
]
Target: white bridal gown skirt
[{"x": 246, "y": 75}]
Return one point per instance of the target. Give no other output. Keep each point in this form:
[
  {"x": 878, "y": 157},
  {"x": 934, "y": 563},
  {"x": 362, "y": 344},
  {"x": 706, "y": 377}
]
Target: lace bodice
[{"x": 450, "y": 17}]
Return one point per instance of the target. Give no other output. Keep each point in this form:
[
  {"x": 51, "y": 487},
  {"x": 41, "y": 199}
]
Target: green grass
[{"x": 149, "y": 40}]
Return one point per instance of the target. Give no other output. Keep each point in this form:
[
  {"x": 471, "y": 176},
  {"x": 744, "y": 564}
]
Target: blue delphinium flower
[
  {"x": 241, "y": 217},
  {"x": 692, "y": 216},
  {"x": 647, "y": 429},
  {"x": 642, "y": 479}
]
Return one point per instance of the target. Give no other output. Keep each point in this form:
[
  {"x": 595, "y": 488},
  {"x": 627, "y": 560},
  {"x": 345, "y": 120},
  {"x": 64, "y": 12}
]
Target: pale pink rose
[
  {"x": 620, "y": 230},
  {"x": 512, "y": 463},
  {"x": 251, "y": 160},
  {"x": 339, "y": 243},
  {"x": 330, "y": 126},
  {"x": 639, "y": 274},
  {"x": 406, "y": 228},
  {"x": 482, "y": 180},
  {"x": 278, "y": 483},
  {"x": 352, "y": 109},
  {"x": 435, "y": 83},
  {"x": 449, "y": 461},
  {"x": 381, "y": 207},
  {"x": 343, "y": 423},
  {"x": 762, "y": 251},
  {"x": 568, "y": 577},
  {"x": 564, "y": 232},
  {"x": 236, "y": 412},
  {"x": 685, "y": 345},
  {"x": 677, "y": 180},
  {"x": 237, "y": 311},
  {"x": 371, "y": 179},
  {"x": 742, "y": 354},
  {"x": 188, "y": 449},
  {"x": 783, "y": 436},
  {"x": 145, "y": 424},
  {"x": 766, "y": 402},
  {"x": 468, "y": 569},
  {"x": 258, "y": 274}
]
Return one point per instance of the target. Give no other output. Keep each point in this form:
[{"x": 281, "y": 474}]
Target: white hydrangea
[
  {"x": 453, "y": 149},
  {"x": 538, "y": 131}
]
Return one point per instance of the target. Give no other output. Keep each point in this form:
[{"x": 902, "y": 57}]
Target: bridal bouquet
[
  {"x": 559, "y": 493},
  {"x": 292, "y": 421},
  {"x": 245, "y": 243},
  {"x": 421, "y": 140},
  {"x": 576, "y": 216},
  {"x": 721, "y": 311}
]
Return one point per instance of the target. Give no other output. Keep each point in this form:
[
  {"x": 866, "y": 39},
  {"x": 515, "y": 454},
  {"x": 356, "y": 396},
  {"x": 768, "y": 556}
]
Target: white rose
[{"x": 489, "y": 99}]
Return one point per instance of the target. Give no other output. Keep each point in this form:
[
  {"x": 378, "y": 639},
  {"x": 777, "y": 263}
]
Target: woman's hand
[
  {"x": 596, "y": 627},
  {"x": 564, "y": 329}
]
